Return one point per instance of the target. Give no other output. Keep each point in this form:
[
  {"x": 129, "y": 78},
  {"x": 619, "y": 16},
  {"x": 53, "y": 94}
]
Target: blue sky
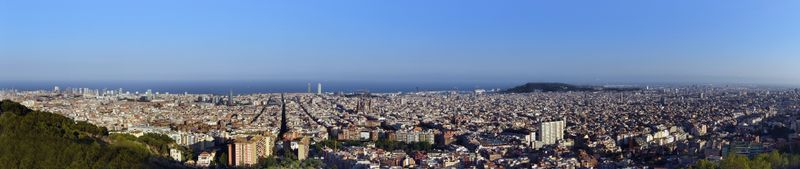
[{"x": 418, "y": 41}]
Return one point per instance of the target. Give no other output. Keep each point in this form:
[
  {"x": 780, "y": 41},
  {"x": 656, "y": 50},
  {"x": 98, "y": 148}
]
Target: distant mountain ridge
[{"x": 562, "y": 87}]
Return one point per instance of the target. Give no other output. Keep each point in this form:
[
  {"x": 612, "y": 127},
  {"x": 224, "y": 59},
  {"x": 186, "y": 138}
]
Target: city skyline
[
  {"x": 541, "y": 125},
  {"x": 456, "y": 84},
  {"x": 410, "y": 41}
]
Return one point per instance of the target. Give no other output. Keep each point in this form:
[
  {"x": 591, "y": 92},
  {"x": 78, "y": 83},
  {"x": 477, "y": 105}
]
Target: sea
[{"x": 250, "y": 87}]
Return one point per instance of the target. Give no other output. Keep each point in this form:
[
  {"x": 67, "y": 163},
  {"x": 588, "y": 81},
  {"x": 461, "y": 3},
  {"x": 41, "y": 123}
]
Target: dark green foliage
[
  {"x": 561, "y": 87},
  {"x": 33, "y": 139},
  {"x": 773, "y": 159},
  {"x": 186, "y": 152},
  {"x": 221, "y": 160},
  {"x": 703, "y": 164},
  {"x": 735, "y": 161},
  {"x": 546, "y": 87},
  {"x": 13, "y": 107},
  {"x": 91, "y": 129},
  {"x": 161, "y": 143}
]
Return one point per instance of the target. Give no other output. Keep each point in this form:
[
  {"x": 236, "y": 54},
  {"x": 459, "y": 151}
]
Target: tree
[
  {"x": 704, "y": 164},
  {"x": 222, "y": 160},
  {"x": 759, "y": 164},
  {"x": 46, "y": 140},
  {"x": 777, "y": 160},
  {"x": 13, "y": 107},
  {"x": 735, "y": 161},
  {"x": 161, "y": 143}
]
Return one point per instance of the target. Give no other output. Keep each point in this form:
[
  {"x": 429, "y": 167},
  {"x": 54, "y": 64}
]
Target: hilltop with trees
[
  {"x": 563, "y": 87},
  {"x": 35, "y": 139}
]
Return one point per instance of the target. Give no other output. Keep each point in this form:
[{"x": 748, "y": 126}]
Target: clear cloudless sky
[{"x": 411, "y": 40}]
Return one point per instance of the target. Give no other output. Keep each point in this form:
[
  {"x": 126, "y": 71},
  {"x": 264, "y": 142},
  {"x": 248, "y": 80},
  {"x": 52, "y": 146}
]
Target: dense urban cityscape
[
  {"x": 650, "y": 127},
  {"x": 422, "y": 84}
]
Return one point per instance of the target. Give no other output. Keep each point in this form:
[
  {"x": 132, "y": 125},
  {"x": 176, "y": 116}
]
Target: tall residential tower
[
  {"x": 319, "y": 88},
  {"x": 550, "y": 132}
]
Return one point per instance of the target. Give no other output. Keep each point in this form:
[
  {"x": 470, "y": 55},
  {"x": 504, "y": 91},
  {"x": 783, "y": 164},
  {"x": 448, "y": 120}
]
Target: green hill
[
  {"x": 546, "y": 87},
  {"x": 34, "y": 139},
  {"x": 561, "y": 87}
]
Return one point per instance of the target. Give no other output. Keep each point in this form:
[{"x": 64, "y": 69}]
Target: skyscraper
[
  {"x": 550, "y": 132},
  {"x": 319, "y": 88},
  {"x": 309, "y": 88},
  {"x": 230, "y": 98}
]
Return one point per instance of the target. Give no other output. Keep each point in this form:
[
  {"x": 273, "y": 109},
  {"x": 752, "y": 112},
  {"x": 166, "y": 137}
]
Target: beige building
[
  {"x": 303, "y": 148},
  {"x": 265, "y": 145},
  {"x": 551, "y": 132}
]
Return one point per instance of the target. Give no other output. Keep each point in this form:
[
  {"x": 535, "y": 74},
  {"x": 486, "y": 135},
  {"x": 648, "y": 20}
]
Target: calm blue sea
[{"x": 247, "y": 87}]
